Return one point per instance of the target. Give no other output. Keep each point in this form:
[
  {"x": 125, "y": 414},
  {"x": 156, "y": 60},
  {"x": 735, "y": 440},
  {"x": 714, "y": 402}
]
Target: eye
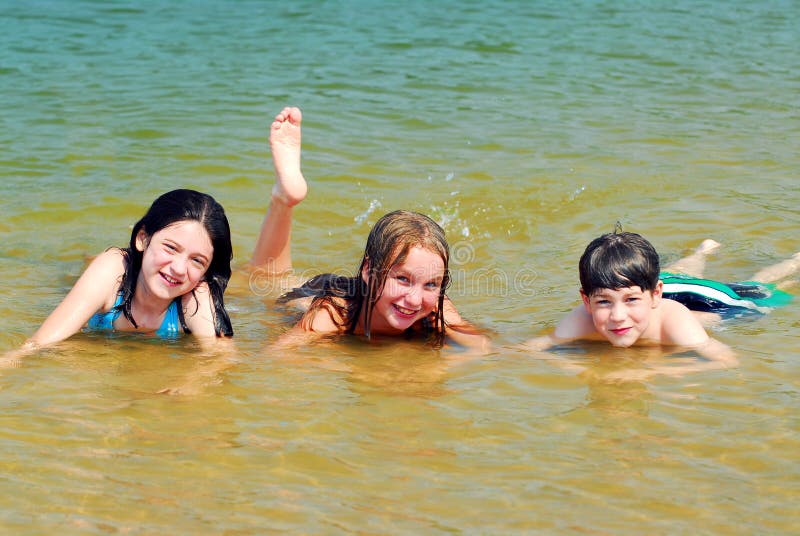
[
  {"x": 633, "y": 299},
  {"x": 402, "y": 279},
  {"x": 170, "y": 247},
  {"x": 199, "y": 262},
  {"x": 433, "y": 285}
]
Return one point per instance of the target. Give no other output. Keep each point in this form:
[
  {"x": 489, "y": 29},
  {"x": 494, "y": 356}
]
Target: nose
[
  {"x": 179, "y": 265},
  {"x": 617, "y": 312},
  {"x": 414, "y": 297}
]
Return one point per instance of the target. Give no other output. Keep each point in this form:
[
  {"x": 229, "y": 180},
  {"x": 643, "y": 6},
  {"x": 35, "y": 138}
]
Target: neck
[
  {"x": 375, "y": 329},
  {"x": 145, "y": 302}
]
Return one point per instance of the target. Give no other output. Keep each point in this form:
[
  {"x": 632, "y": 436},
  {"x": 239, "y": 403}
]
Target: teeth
[
  {"x": 405, "y": 311},
  {"x": 169, "y": 279}
]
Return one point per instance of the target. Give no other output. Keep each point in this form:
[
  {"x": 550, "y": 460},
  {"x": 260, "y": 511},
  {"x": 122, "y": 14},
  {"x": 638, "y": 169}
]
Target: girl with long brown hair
[{"x": 399, "y": 288}]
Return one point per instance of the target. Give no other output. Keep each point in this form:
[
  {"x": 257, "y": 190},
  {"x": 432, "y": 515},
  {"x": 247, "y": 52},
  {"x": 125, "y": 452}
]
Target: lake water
[{"x": 527, "y": 129}]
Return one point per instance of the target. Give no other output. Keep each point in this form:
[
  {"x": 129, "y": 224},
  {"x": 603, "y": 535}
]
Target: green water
[{"x": 526, "y": 128}]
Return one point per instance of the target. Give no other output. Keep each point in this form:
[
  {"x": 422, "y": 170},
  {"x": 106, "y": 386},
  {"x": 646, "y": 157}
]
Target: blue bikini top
[{"x": 170, "y": 327}]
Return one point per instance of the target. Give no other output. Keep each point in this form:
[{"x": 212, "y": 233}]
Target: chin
[
  {"x": 169, "y": 293},
  {"x": 621, "y": 343},
  {"x": 402, "y": 325}
]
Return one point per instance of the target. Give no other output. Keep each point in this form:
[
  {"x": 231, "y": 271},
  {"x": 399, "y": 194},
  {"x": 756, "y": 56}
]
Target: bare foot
[
  {"x": 284, "y": 142},
  {"x": 695, "y": 263},
  {"x": 779, "y": 271},
  {"x": 708, "y": 246}
]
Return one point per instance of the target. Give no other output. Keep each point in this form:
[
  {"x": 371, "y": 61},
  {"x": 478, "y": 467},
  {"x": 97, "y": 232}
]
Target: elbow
[
  {"x": 721, "y": 353},
  {"x": 540, "y": 344},
  {"x": 730, "y": 360}
]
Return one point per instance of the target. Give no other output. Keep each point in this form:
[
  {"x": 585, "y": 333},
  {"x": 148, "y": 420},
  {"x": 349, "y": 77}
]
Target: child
[
  {"x": 170, "y": 279},
  {"x": 400, "y": 285},
  {"x": 625, "y": 301}
]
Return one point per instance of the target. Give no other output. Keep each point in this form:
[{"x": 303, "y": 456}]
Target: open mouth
[
  {"x": 170, "y": 280},
  {"x": 409, "y": 313}
]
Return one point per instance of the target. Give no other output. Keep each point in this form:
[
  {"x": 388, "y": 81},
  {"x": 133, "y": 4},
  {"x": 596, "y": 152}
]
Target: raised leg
[
  {"x": 694, "y": 264},
  {"x": 272, "y": 251}
]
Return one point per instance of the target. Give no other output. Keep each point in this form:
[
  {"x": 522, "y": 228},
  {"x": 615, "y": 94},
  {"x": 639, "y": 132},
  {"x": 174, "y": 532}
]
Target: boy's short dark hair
[{"x": 617, "y": 260}]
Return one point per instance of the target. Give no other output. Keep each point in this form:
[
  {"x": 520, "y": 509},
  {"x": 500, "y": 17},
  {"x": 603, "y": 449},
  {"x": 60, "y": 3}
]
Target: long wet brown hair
[{"x": 388, "y": 244}]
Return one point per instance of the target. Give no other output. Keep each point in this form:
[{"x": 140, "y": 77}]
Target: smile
[
  {"x": 620, "y": 331},
  {"x": 405, "y": 312},
  {"x": 170, "y": 280}
]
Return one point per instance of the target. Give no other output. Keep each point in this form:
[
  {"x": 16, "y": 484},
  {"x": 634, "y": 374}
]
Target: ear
[
  {"x": 142, "y": 239},
  {"x": 658, "y": 293},
  {"x": 585, "y": 299}
]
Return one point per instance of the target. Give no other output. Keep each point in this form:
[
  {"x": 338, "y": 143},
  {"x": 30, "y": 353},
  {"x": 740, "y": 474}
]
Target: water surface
[{"x": 526, "y": 129}]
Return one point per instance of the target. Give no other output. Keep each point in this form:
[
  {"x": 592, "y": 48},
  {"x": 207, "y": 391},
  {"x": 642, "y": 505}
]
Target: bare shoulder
[
  {"x": 679, "y": 326},
  {"x": 103, "y": 277},
  {"x": 450, "y": 313},
  {"x": 321, "y": 321},
  {"x": 462, "y": 331},
  {"x": 110, "y": 262},
  {"x": 576, "y": 325},
  {"x": 325, "y": 316}
]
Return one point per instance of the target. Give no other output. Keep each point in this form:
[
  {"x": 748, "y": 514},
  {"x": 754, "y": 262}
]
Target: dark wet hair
[
  {"x": 173, "y": 207},
  {"x": 388, "y": 244},
  {"x": 617, "y": 260}
]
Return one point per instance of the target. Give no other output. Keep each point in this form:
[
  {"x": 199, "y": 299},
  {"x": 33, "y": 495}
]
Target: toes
[{"x": 708, "y": 245}]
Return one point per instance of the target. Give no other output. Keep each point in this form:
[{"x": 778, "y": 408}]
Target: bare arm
[
  {"x": 313, "y": 327},
  {"x": 218, "y": 353},
  {"x": 219, "y": 356},
  {"x": 714, "y": 355},
  {"x": 94, "y": 290},
  {"x": 199, "y": 313},
  {"x": 298, "y": 337},
  {"x": 462, "y": 332},
  {"x": 576, "y": 325},
  {"x": 539, "y": 344},
  {"x": 682, "y": 329}
]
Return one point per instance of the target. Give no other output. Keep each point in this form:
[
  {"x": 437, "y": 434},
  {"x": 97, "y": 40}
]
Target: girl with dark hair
[
  {"x": 170, "y": 279},
  {"x": 399, "y": 288}
]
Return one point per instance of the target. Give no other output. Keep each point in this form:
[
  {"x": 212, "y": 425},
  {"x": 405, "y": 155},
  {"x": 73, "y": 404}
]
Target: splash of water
[{"x": 363, "y": 216}]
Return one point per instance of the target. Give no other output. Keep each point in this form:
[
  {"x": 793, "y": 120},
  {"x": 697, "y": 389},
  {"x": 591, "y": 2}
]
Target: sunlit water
[{"x": 526, "y": 128}]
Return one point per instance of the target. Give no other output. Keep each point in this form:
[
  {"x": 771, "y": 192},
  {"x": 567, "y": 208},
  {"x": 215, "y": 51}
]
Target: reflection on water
[{"x": 526, "y": 136}]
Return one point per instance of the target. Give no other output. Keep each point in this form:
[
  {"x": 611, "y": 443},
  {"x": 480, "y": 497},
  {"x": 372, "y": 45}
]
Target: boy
[{"x": 623, "y": 303}]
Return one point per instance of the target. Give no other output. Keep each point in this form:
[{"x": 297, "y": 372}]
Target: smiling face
[
  {"x": 623, "y": 316},
  {"x": 174, "y": 260},
  {"x": 410, "y": 293}
]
